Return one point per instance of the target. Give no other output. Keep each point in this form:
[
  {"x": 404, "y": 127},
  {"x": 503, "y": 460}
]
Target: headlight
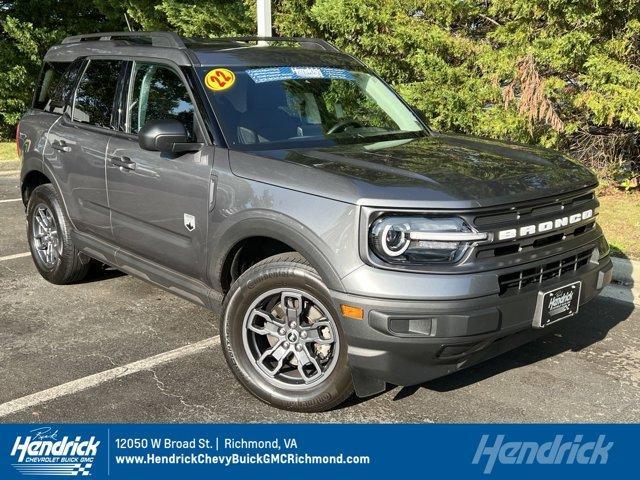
[{"x": 421, "y": 240}]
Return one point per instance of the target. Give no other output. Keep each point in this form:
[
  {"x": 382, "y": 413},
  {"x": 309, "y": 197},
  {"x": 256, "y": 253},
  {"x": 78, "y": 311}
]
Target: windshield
[{"x": 286, "y": 107}]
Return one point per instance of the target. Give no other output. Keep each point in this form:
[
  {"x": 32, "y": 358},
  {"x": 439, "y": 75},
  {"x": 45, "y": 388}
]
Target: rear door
[
  {"x": 77, "y": 145},
  {"x": 159, "y": 202}
]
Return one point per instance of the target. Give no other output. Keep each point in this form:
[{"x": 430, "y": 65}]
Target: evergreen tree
[{"x": 560, "y": 73}]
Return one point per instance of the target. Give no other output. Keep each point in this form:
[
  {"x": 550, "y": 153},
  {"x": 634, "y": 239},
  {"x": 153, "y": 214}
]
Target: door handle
[
  {"x": 123, "y": 162},
  {"x": 61, "y": 146}
]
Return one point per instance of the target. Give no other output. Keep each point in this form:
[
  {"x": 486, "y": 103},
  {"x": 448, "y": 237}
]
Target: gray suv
[{"x": 347, "y": 244}]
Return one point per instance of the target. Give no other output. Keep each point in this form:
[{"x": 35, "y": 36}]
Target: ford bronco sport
[{"x": 347, "y": 244}]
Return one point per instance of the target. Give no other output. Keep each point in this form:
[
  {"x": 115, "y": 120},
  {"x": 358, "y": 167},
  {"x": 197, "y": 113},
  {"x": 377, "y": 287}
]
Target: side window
[
  {"x": 61, "y": 96},
  {"x": 95, "y": 95},
  {"x": 49, "y": 80},
  {"x": 156, "y": 92}
]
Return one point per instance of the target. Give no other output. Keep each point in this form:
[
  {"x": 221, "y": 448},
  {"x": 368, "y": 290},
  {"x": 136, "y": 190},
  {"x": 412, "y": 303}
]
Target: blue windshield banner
[
  {"x": 279, "y": 74},
  {"x": 330, "y": 451}
]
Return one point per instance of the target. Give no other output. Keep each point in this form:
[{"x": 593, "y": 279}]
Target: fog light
[{"x": 416, "y": 326}]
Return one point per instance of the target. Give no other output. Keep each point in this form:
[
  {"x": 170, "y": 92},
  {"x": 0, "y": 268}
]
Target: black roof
[{"x": 227, "y": 51}]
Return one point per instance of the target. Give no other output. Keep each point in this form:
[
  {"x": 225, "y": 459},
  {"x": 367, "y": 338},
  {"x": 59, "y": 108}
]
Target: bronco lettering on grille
[{"x": 547, "y": 226}]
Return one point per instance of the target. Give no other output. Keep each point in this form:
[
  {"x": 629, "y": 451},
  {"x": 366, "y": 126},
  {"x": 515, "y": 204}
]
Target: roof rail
[
  {"x": 303, "y": 41},
  {"x": 158, "y": 39}
]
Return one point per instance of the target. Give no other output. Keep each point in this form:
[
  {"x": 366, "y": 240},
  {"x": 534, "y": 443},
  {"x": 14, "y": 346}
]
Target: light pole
[{"x": 264, "y": 18}]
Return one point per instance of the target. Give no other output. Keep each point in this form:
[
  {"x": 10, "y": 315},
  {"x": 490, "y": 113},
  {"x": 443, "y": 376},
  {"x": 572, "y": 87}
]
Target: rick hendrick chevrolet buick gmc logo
[
  {"x": 554, "y": 452},
  {"x": 543, "y": 227},
  {"x": 43, "y": 451}
]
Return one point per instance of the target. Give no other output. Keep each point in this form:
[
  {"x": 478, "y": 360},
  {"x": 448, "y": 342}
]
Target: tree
[
  {"x": 28, "y": 29},
  {"x": 197, "y": 18},
  {"x": 560, "y": 73}
]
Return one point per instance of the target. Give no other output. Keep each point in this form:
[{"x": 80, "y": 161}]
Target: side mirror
[{"x": 166, "y": 135}]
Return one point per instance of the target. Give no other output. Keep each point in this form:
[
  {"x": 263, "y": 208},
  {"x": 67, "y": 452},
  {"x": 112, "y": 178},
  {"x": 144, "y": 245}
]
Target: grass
[
  {"x": 620, "y": 220},
  {"x": 8, "y": 152},
  {"x": 619, "y": 214}
]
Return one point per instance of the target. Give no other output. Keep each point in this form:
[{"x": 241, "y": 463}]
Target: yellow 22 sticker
[{"x": 219, "y": 79}]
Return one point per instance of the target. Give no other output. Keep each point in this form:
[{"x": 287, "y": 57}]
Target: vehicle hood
[{"x": 436, "y": 171}]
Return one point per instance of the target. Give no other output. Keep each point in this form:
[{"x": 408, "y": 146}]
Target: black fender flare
[
  {"x": 30, "y": 166},
  {"x": 285, "y": 230}
]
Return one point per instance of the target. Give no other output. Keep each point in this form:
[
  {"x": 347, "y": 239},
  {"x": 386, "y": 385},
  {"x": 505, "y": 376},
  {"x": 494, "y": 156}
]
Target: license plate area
[{"x": 557, "y": 304}]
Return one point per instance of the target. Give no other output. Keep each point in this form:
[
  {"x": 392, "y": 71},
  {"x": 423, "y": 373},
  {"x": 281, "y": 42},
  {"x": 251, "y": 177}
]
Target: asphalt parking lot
[{"x": 115, "y": 349}]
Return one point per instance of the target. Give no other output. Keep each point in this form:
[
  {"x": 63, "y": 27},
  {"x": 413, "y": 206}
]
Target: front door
[{"x": 159, "y": 201}]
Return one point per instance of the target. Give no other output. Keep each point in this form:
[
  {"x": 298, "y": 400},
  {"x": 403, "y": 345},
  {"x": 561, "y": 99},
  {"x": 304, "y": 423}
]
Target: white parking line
[
  {"x": 14, "y": 256},
  {"x": 91, "y": 381},
  {"x": 9, "y": 173},
  {"x": 11, "y": 200}
]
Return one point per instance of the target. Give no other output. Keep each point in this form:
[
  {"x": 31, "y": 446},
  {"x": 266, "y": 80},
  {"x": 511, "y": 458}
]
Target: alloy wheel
[
  {"x": 46, "y": 239},
  {"x": 290, "y": 338}
]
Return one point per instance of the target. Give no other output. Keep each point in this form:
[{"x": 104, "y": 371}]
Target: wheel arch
[
  {"x": 285, "y": 232},
  {"x": 32, "y": 179}
]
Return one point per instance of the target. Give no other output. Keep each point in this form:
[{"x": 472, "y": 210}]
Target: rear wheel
[
  {"x": 49, "y": 235},
  {"x": 282, "y": 339}
]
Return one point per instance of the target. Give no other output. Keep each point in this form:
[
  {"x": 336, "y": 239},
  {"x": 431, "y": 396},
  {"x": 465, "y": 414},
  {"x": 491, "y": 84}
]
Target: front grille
[
  {"x": 533, "y": 213},
  {"x": 516, "y": 281},
  {"x": 530, "y": 243}
]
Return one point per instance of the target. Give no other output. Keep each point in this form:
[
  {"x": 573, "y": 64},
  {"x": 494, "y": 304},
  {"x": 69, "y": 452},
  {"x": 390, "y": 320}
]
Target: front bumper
[{"x": 407, "y": 342}]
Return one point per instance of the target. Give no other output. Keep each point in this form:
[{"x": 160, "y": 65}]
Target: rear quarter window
[
  {"x": 58, "y": 95},
  {"x": 50, "y": 77}
]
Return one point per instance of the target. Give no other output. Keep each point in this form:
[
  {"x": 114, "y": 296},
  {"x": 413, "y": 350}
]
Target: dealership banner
[{"x": 318, "y": 451}]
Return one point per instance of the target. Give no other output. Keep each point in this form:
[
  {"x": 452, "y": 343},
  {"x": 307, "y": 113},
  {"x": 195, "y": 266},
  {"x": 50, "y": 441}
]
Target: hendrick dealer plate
[{"x": 557, "y": 304}]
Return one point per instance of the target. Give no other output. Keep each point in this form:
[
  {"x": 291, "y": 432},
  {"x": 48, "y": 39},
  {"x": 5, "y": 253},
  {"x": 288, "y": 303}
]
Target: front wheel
[{"x": 282, "y": 339}]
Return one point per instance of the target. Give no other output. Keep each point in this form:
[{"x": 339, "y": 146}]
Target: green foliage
[
  {"x": 206, "y": 18},
  {"x": 561, "y": 73},
  {"x": 27, "y": 29}
]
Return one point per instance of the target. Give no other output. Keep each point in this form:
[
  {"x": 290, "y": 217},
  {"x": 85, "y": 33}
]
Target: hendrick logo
[
  {"x": 542, "y": 227},
  {"x": 560, "y": 303},
  {"x": 44, "y": 451},
  {"x": 554, "y": 452}
]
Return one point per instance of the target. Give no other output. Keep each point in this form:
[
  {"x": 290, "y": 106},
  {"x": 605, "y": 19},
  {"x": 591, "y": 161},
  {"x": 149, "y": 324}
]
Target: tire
[
  {"x": 300, "y": 384},
  {"x": 63, "y": 264}
]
